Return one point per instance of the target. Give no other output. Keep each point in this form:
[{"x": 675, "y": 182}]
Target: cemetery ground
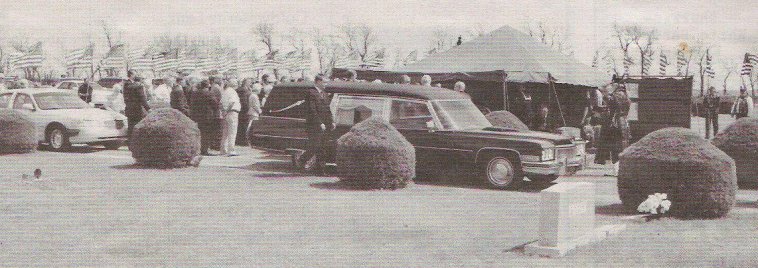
[{"x": 93, "y": 207}]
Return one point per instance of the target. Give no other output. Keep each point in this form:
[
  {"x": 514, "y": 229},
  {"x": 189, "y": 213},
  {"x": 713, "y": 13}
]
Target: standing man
[
  {"x": 177, "y": 98},
  {"x": 743, "y": 106},
  {"x": 134, "y": 100},
  {"x": 230, "y": 102},
  {"x": 711, "y": 103},
  {"x": 85, "y": 91},
  {"x": 318, "y": 123},
  {"x": 204, "y": 111},
  {"x": 244, "y": 91}
]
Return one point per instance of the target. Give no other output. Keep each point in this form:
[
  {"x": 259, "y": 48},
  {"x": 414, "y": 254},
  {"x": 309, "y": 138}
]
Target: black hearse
[{"x": 445, "y": 127}]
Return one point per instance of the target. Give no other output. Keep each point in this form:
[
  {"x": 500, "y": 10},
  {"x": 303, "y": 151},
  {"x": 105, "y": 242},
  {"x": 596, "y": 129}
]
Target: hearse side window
[
  {"x": 5, "y": 99},
  {"x": 410, "y": 114},
  {"x": 354, "y": 109},
  {"x": 282, "y": 103}
]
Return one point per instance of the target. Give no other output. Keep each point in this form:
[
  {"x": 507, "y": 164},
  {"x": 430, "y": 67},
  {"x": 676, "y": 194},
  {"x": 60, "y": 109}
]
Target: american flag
[
  {"x": 187, "y": 60},
  {"x": 245, "y": 62},
  {"x": 348, "y": 60},
  {"x": 115, "y": 59},
  {"x": 166, "y": 61},
  {"x": 411, "y": 58},
  {"x": 227, "y": 60},
  {"x": 628, "y": 61},
  {"x": 32, "y": 58},
  {"x": 708, "y": 65},
  {"x": 376, "y": 61},
  {"x": 647, "y": 62},
  {"x": 664, "y": 62},
  {"x": 289, "y": 60},
  {"x": 748, "y": 63},
  {"x": 681, "y": 62},
  {"x": 140, "y": 60},
  {"x": 80, "y": 58}
]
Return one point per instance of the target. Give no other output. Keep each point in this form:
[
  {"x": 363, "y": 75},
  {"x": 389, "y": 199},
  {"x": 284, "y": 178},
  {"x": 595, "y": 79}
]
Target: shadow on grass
[
  {"x": 471, "y": 180},
  {"x": 614, "y": 210}
]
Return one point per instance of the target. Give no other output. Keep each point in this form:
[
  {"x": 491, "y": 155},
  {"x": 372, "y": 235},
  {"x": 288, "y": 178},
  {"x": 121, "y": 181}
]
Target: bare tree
[
  {"x": 626, "y": 36},
  {"x": 548, "y": 36},
  {"x": 644, "y": 42},
  {"x": 327, "y": 49},
  {"x": 729, "y": 68},
  {"x": 441, "y": 40},
  {"x": 297, "y": 39},
  {"x": 358, "y": 39},
  {"x": 265, "y": 34}
]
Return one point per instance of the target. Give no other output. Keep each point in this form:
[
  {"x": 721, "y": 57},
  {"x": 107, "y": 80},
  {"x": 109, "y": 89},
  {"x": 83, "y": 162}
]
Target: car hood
[{"x": 511, "y": 134}]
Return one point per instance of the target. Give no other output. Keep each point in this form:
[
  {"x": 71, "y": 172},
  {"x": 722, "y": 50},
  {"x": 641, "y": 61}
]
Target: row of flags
[
  {"x": 353, "y": 60},
  {"x": 30, "y": 59},
  {"x": 221, "y": 60}
]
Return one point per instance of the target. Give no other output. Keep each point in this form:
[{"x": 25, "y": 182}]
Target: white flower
[
  {"x": 665, "y": 205},
  {"x": 661, "y": 196}
]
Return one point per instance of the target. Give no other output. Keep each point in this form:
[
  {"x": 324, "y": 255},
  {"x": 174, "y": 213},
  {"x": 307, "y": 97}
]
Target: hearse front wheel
[{"x": 501, "y": 173}]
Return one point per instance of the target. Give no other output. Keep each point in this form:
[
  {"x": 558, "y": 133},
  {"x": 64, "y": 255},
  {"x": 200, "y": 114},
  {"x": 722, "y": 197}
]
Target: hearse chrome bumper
[{"x": 551, "y": 168}]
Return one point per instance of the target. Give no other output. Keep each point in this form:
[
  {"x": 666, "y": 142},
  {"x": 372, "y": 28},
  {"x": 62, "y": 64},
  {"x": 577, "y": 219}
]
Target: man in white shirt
[{"x": 230, "y": 103}]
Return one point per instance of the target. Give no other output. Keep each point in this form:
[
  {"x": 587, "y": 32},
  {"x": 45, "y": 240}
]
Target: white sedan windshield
[
  {"x": 460, "y": 114},
  {"x": 59, "y": 100}
]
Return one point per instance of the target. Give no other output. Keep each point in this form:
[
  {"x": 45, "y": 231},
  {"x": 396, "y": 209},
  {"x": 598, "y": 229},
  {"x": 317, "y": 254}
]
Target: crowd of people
[{"x": 223, "y": 108}]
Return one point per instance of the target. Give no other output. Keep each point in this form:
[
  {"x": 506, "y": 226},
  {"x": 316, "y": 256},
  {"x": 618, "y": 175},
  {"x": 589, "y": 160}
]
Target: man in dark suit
[
  {"x": 319, "y": 124},
  {"x": 134, "y": 100},
  {"x": 204, "y": 110},
  {"x": 244, "y": 91},
  {"x": 85, "y": 91},
  {"x": 177, "y": 98},
  {"x": 711, "y": 103}
]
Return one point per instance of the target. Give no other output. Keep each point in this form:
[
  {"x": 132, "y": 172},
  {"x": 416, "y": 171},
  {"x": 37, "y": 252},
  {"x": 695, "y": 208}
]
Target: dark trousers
[
  {"x": 132, "y": 121},
  {"x": 244, "y": 121},
  {"x": 317, "y": 146},
  {"x": 208, "y": 134},
  {"x": 609, "y": 144},
  {"x": 711, "y": 122}
]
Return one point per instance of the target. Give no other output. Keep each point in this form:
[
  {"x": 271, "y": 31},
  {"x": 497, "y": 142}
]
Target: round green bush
[
  {"x": 699, "y": 178},
  {"x": 374, "y": 155},
  {"x": 740, "y": 141},
  {"x": 506, "y": 119},
  {"x": 165, "y": 138},
  {"x": 17, "y": 132}
]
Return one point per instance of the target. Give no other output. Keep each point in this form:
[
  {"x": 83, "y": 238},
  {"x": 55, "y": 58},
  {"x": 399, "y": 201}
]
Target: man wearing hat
[{"x": 743, "y": 106}]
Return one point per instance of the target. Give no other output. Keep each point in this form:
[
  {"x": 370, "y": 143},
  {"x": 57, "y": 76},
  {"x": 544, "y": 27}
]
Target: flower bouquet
[{"x": 655, "y": 206}]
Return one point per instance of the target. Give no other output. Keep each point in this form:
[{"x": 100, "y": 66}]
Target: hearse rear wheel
[{"x": 501, "y": 173}]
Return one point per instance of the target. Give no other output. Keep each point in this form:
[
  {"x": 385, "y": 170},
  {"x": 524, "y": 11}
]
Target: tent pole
[
  {"x": 555, "y": 93},
  {"x": 505, "y": 91}
]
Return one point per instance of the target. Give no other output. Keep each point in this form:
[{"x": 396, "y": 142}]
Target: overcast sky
[{"x": 729, "y": 26}]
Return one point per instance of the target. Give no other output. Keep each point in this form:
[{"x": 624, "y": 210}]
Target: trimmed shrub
[
  {"x": 699, "y": 178},
  {"x": 17, "y": 132},
  {"x": 506, "y": 119},
  {"x": 740, "y": 141},
  {"x": 165, "y": 138},
  {"x": 374, "y": 155}
]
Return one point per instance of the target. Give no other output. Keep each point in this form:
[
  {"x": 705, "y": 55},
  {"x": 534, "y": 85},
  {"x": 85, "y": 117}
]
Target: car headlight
[{"x": 548, "y": 154}]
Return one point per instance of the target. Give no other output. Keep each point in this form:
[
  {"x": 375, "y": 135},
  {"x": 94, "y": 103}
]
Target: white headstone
[{"x": 567, "y": 218}]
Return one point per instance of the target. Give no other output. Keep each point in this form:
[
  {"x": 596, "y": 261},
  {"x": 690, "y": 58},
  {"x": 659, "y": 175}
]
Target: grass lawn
[{"x": 94, "y": 208}]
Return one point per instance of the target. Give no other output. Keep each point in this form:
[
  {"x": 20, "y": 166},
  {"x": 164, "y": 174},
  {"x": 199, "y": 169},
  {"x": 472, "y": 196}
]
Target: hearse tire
[{"x": 501, "y": 172}]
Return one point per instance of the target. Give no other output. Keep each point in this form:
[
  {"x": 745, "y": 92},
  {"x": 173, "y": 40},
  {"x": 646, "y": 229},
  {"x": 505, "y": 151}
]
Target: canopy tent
[{"x": 522, "y": 58}]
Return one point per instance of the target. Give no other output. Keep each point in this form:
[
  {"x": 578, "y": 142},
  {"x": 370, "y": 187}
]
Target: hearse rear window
[{"x": 282, "y": 103}]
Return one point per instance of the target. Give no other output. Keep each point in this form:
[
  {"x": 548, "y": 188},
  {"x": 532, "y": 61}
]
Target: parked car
[
  {"x": 445, "y": 127},
  {"x": 102, "y": 97},
  {"x": 63, "y": 119}
]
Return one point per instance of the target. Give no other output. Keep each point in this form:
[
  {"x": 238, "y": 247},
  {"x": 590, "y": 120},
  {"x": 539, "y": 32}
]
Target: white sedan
[
  {"x": 63, "y": 119},
  {"x": 102, "y": 97}
]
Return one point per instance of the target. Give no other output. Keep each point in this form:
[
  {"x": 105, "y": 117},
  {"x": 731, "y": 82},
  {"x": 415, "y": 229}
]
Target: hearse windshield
[{"x": 460, "y": 115}]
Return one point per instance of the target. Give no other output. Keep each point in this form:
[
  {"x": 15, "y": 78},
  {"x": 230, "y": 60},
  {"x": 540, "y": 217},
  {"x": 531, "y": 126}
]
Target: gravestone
[{"x": 567, "y": 218}]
